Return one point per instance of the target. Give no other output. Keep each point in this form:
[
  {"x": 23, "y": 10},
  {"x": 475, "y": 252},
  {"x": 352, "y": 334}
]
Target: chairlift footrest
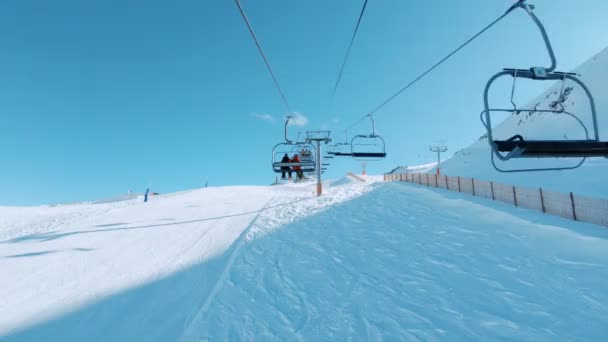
[{"x": 553, "y": 148}]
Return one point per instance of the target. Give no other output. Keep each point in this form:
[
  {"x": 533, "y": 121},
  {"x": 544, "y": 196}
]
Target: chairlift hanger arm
[
  {"x": 373, "y": 125},
  {"x": 530, "y": 10},
  {"x": 286, "y": 124}
]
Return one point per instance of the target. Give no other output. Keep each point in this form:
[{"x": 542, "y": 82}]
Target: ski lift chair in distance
[
  {"x": 307, "y": 161},
  {"x": 368, "y": 147},
  {"x": 519, "y": 147},
  {"x": 342, "y": 149}
]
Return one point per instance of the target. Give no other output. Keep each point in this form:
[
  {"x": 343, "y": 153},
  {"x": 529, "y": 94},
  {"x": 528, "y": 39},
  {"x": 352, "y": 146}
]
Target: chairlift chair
[
  {"x": 519, "y": 147},
  {"x": 340, "y": 150},
  {"x": 307, "y": 162},
  {"x": 360, "y": 145}
]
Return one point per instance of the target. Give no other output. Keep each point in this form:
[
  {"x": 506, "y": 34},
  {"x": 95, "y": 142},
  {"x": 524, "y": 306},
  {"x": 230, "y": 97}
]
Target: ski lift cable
[
  {"x": 443, "y": 60},
  {"x": 257, "y": 43},
  {"x": 350, "y": 46}
]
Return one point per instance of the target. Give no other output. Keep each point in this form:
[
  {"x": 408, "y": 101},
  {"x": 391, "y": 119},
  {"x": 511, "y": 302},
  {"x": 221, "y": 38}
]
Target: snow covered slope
[
  {"x": 396, "y": 262},
  {"x": 56, "y": 259},
  {"x": 474, "y": 161}
]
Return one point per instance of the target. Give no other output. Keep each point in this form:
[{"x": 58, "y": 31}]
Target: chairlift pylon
[{"x": 519, "y": 147}]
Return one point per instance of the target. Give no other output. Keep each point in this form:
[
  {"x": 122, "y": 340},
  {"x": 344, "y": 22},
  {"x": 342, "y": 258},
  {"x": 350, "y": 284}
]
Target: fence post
[
  {"x": 573, "y": 207},
  {"x": 514, "y": 196},
  {"x": 542, "y": 200},
  {"x": 473, "y": 184},
  {"x": 436, "y": 181},
  {"x": 492, "y": 188},
  {"x": 419, "y": 179},
  {"x": 458, "y": 183},
  {"x": 427, "y": 179},
  {"x": 447, "y": 185}
]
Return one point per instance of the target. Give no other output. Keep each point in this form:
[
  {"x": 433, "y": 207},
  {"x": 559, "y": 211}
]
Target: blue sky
[{"x": 100, "y": 97}]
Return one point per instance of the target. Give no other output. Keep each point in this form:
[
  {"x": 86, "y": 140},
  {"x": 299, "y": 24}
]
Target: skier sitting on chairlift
[
  {"x": 297, "y": 169},
  {"x": 285, "y": 169},
  {"x": 306, "y": 155}
]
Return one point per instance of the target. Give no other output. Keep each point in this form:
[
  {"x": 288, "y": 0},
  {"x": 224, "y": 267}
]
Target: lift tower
[{"x": 318, "y": 137}]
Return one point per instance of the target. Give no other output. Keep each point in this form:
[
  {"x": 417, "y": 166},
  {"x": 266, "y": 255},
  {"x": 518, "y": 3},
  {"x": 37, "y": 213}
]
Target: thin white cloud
[
  {"x": 298, "y": 120},
  {"x": 264, "y": 117}
]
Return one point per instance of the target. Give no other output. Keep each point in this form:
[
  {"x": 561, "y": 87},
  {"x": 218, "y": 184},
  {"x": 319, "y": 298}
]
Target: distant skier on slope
[{"x": 285, "y": 169}]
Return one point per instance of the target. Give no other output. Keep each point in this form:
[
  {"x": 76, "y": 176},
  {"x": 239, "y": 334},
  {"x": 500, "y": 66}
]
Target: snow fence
[{"x": 566, "y": 205}]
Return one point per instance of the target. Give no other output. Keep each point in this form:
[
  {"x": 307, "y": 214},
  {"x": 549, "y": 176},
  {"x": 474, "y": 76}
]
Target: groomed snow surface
[{"x": 367, "y": 261}]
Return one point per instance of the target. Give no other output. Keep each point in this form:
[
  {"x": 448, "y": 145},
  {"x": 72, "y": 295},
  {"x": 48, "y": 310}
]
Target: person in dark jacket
[{"x": 285, "y": 169}]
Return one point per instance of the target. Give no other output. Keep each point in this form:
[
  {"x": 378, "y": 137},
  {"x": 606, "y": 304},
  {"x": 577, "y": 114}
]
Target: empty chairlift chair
[
  {"x": 339, "y": 150},
  {"x": 518, "y": 146},
  {"x": 368, "y": 147},
  {"x": 342, "y": 149}
]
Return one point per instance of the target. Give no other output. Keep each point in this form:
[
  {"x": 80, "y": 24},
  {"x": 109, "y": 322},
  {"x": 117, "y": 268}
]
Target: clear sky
[{"x": 99, "y": 97}]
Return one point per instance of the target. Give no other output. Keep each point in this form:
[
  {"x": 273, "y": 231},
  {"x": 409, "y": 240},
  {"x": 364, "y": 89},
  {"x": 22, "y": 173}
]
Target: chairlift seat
[
  {"x": 368, "y": 154},
  {"x": 341, "y": 154},
  {"x": 518, "y": 147},
  {"x": 305, "y": 166}
]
